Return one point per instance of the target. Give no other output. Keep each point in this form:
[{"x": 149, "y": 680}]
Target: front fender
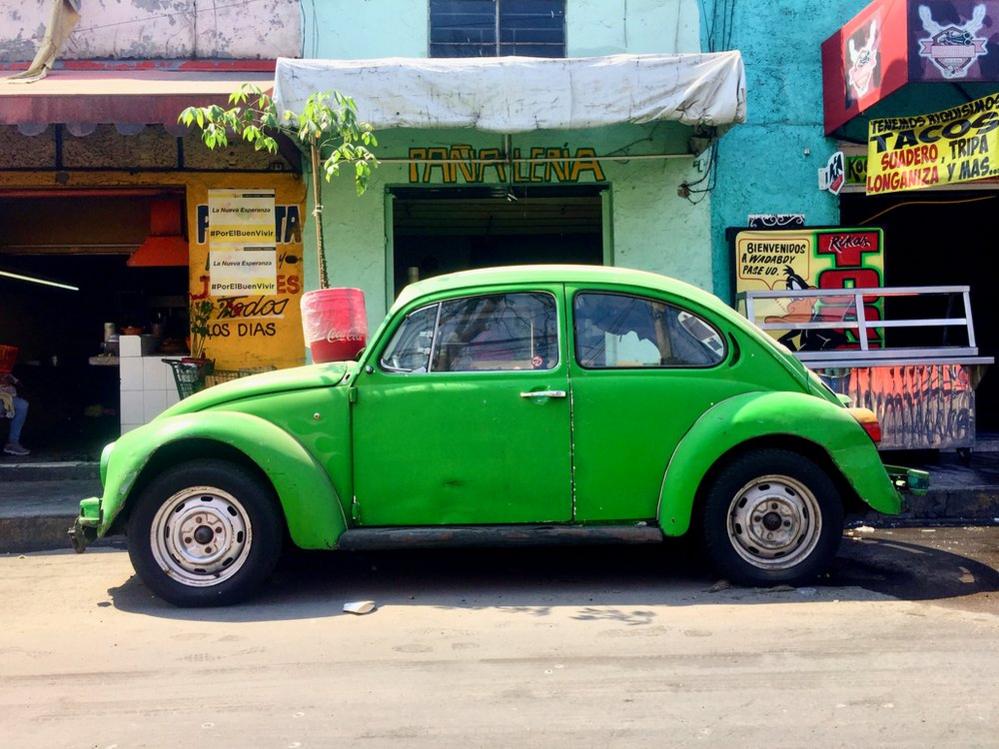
[
  {"x": 772, "y": 414},
  {"x": 312, "y": 509}
]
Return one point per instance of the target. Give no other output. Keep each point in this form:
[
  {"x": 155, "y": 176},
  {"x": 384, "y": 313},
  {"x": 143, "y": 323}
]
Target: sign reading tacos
[{"x": 960, "y": 144}]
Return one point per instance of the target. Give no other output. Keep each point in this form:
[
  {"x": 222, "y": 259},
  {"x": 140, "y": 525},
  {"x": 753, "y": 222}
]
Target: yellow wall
[{"x": 244, "y": 332}]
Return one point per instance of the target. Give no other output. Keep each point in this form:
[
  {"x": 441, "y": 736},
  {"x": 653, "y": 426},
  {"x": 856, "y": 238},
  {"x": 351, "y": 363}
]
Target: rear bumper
[
  {"x": 84, "y": 528},
  {"x": 909, "y": 480}
]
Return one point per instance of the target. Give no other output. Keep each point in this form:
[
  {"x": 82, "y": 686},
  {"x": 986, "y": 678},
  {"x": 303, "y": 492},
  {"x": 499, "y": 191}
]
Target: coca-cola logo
[{"x": 335, "y": 337}]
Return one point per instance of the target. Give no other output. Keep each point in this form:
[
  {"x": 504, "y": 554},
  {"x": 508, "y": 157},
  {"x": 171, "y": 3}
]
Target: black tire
[
  {"x": 241, "y": 508},
  {"x": 754, "y": 492}
]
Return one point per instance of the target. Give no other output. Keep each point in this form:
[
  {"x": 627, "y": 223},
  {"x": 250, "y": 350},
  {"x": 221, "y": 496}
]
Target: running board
[{"x": 497, "y": 535}]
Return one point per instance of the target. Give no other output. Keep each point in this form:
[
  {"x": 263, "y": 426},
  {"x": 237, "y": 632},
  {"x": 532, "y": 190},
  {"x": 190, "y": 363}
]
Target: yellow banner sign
[{"x": 960, "y": 144}]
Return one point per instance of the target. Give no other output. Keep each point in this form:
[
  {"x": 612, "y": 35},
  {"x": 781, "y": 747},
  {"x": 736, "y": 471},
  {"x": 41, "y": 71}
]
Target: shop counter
[{"x": 147, "y": 384}]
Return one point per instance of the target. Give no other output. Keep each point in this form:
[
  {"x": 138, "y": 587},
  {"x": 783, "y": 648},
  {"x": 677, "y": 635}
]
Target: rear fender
[
  {"x": 312, "y": 509},
  {"x": 752, "y": 416}
]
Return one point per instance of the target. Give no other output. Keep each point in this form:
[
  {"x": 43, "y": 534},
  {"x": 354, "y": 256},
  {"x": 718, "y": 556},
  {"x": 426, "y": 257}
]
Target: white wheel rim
[
  {"x": 774, "y": 522},
  {"x": 201, "y": 536}
]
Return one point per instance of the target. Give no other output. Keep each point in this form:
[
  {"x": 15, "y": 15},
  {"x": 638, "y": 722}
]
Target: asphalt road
[{"x": 555, "y": 647}]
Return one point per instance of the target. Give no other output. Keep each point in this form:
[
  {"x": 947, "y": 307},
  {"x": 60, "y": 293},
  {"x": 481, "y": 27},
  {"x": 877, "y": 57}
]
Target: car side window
[
  {"x": 622, "y": 331},
  {"x": 497, "y": 332},
  {"x": 409, "y": 349}
]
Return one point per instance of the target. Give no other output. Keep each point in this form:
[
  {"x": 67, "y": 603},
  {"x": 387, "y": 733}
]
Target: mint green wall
[
  {"x": 358, "y": 29},
  {"x": 610, "y": 27},
  {"x": 651, "y": 227}
]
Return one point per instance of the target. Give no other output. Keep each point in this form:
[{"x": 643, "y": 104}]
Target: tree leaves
[{"x": 328, "y": 118}]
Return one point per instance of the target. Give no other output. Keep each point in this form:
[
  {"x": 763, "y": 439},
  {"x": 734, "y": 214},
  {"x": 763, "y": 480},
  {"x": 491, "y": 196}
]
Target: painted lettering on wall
[
  {"x": 462, "y": 163},
  {"x": 248, "y": 328}
]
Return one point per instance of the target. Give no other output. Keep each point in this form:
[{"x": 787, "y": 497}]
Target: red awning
[{"x": 129, "y": 97}]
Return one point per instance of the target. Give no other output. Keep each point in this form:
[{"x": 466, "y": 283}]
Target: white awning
[{"x": 519, "y": 94}]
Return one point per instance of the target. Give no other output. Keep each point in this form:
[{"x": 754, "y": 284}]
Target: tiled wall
[{"x": 147, "y": 384}]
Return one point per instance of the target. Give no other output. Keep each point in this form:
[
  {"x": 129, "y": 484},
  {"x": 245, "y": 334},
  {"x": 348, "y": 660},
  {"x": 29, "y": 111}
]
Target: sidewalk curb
[{"x": 39, "y": 533}]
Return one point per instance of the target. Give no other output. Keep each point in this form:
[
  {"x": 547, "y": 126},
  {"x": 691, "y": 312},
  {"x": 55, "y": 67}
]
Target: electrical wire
[{"x": 879, "y": 214}]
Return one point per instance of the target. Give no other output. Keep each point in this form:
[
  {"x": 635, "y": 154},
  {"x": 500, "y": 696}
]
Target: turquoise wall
[
  {"x": 651, "y": 227},
  {"x": 770, "y": 164}
]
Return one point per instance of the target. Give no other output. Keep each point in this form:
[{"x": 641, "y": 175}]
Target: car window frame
[
  {"x": 560, "y": 362},
  {"x": 571, "y": 326}
]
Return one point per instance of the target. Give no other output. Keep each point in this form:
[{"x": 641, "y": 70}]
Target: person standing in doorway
[{"x": 16, "y": 409}]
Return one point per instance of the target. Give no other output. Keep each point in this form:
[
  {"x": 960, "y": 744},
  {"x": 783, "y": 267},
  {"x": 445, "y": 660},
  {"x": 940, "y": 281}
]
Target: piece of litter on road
[
  {"x": 359, "y": 607},
  {"x": 927, "y": 530},
  {"x": 864, "y": 529},
  {"x": 807, "y": 591},
  {"x": 719, "y": 586},
  {"x": 21, "y": 556},
  {"x": 779, "y": 589}
]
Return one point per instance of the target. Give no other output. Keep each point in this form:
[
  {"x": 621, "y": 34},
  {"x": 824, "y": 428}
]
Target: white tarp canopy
[{"x": 519, "y": 94}]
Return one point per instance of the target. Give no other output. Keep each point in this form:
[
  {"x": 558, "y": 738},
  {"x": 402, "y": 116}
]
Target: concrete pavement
[{"x": 556, "y": 647}]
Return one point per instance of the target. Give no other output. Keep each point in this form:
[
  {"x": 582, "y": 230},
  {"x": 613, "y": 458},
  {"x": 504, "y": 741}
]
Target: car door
[
  {"x": 643, "y": 370},
  {"x": 462, "y": 416}
]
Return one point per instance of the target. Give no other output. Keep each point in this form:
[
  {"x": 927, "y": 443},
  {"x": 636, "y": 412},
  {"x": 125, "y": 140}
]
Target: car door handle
[{"x": 544, "y": 394}]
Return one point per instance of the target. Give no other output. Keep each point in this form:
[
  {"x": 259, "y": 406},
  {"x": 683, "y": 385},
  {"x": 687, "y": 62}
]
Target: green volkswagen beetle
[{"x": 508, "y": 405}]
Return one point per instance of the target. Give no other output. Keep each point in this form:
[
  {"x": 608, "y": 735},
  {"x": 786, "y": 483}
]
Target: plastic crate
[
  {"x": 218, "y": 376},
  {"x": 189, "y": 375}
]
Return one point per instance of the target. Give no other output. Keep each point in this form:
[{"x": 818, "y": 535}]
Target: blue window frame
[{"x": 497, "y": 28}]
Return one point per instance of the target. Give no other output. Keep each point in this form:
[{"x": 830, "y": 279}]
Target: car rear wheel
[
  {"x": 772, "y": 517},
  {"x": 204, "y": 533}
]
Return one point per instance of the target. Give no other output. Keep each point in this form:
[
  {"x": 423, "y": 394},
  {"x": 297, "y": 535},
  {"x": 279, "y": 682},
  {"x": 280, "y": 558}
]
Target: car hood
[{"x": 281, "y": 381}]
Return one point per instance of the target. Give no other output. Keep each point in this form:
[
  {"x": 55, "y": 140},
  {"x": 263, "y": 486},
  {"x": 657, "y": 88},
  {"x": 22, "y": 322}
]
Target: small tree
[{"x": 327, "y": 128}]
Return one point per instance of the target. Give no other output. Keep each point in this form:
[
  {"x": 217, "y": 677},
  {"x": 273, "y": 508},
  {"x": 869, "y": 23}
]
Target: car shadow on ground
[{"x": 601, "y": 582}]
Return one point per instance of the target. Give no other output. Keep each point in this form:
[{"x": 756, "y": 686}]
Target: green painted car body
[{"x": 354, "y": 445}]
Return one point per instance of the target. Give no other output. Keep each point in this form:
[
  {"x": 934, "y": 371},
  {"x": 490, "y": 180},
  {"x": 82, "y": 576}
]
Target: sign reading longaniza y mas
[
  {"x": 960, "y": 144},
  {"x": 242, "y": 256}
]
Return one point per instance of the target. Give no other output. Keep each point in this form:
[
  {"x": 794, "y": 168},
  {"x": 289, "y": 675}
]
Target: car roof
[{"x": 547, "y": 274}]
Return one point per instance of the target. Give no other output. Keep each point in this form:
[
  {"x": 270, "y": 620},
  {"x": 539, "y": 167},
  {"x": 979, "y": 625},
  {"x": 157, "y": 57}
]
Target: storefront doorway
[
  {"x": 935, "y": 238},
  {"x": 441, "y": 230},
  {"x": 82, "y": 243}
]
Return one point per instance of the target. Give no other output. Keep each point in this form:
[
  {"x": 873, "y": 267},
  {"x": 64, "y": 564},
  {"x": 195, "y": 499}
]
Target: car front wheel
[
  {"x": 772, "y": 517},
  {"x": 204, "y": 533}
]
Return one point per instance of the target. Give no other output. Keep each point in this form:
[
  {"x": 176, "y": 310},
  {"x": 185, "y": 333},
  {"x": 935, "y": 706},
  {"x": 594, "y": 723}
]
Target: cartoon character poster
[{"x": 835, "y": 258}]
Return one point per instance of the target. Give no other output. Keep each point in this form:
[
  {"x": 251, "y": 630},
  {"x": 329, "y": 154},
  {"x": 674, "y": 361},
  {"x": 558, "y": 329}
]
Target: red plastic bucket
[
  {"x": 334, "y": 323},
  {"x": 8, "y": 355}
]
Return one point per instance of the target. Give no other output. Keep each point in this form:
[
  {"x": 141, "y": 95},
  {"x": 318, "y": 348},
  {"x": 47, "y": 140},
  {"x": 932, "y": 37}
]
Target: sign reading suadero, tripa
[
  {"x": 960, "y": 144},
  {"x": 242, "y": 256},
  {"x": 806, "y": 258}
]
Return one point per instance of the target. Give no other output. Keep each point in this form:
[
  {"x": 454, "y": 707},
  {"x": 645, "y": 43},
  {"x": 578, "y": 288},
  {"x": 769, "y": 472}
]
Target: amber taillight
[{"x": 867, "y": 419}]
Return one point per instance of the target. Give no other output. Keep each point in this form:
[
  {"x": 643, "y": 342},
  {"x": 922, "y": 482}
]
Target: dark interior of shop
[
  {"x": 939, "y": 239},
  {"x": 60, "y": 331},
  {"x": 441, "y": 230}
]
